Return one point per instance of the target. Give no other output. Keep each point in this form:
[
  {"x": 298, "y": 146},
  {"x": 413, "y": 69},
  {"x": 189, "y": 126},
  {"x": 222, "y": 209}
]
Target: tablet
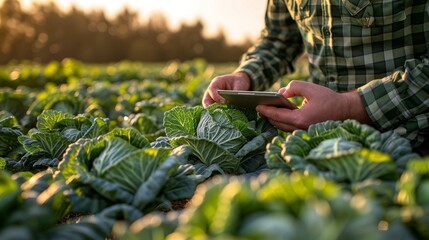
[{"x": 250, "y": 99}]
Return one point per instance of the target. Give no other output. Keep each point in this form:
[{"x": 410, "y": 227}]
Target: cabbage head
[
  {"x": 344, "y": 151},
  {"x": 121, "y": 168},
  {"x": 224, "y": 138}
]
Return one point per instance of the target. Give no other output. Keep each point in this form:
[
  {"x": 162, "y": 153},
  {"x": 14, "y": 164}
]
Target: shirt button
[{"x": 326, "y": 31}]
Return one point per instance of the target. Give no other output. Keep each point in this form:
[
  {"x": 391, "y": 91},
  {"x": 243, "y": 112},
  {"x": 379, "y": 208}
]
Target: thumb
[{"x": 300, "y": 88}]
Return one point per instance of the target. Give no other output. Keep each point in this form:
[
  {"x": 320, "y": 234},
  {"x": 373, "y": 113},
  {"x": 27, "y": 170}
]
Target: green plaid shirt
[{"x": 379, "y": 47}]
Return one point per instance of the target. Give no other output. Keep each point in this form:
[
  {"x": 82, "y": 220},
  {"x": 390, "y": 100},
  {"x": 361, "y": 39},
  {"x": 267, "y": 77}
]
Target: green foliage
[
  {"x": 9, "y": 134},
  {"x": 113, "y": 170},
  {"x": 221, "y": 136},
  {"x": 270, "y": 207},
  {"x": 96, "y": 147},
  {"x": 55, "y": 131},
  {"x": 345, "y": 151}
]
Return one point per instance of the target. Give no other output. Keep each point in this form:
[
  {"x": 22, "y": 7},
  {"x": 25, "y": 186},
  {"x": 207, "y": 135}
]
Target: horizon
[{"x": 237, "y": 25}]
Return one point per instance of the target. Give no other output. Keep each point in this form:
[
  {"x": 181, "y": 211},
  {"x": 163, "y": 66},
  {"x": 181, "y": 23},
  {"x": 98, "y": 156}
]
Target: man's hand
[
  {"x": 235, "y": 81},
  {"x": 320, "y": 104}
]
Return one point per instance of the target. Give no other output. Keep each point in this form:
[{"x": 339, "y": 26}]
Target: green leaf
[
  {"x": 354, "y": 164},
  {"x": 220, "y": 131},
  {"x": 2, "y": 163},
  {"x": 48, "y": 120},
  {"x": 158, "y": 177},
  {"x": 8, "y": 120},
  {"x": 52, "y": 143},
  {"x": 116, "y": 149},
  {"x": 9, "y": 140},
  {"x": 209, "y": 153},
  {"x": 182, "y": 121},
  {"x": 131, "y": 135}
]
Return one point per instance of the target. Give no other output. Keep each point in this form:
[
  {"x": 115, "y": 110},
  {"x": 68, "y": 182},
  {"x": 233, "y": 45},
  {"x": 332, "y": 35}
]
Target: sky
[{"x": 239, "y": 19}]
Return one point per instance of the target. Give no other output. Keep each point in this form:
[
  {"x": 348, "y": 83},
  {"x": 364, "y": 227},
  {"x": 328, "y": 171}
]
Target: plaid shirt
[{"x": 379, "y": 47}]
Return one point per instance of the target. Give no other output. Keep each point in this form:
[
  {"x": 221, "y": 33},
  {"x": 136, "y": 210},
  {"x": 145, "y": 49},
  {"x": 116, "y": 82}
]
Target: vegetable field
[{"x": 126, "y": 151}]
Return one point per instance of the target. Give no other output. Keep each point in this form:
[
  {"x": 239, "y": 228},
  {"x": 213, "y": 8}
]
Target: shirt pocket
[
  {"x": 368, "y": 13},
  {"x": 298, "y": 9}
]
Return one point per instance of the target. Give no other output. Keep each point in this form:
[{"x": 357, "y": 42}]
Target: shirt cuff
[
  {"x": 254, "y": 71},
  {"x": 383, "y": 103}
]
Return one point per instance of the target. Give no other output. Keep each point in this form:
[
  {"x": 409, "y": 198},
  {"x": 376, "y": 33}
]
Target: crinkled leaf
[
  {"x": 79, "y": 158},
  {"x": 48, "y": 119},
  {"x": 116, "y": 149},
  {"x": 161, "y": 142},
  {"x": 320, "y": 128},
  {"x": 8, "y": 140},
  {"x": 273, "y": 155},
  {"x": 355, "y": 164},
  {"x": 158, "y": 177},
  {"x": 182, "y": 121},
  {"x": 182, "y": 184},
  {"x": 254, "y": 161},
  {"x": 8, "y": 120},
  {"x": 132, "y": 170},
  {"x": 207, "y": 171},
  {"x": 46, "y": 162},
  {"x": 144, "y": 123},
  {"x": 221, "y": 132},
  {"x": 53, "y": 143},
  {"x": 257, "y": 143},
  {"x": 333, "y": 147},
  {"x": 131, "y": 135},
  {"x": 398, "y": 147},
  {"x": 209, "y": 153},
  {"x": 338, "y": 132},
  {"x": 98, "y": 127}
]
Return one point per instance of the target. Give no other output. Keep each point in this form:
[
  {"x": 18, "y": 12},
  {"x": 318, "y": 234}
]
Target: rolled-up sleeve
[
  {"x": 400, "y": 101},
  {"x": 273, "y": 55}
]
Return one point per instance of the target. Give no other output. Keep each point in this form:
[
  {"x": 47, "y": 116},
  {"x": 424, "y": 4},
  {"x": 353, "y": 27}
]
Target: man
[{"x": 368, "y": 60}]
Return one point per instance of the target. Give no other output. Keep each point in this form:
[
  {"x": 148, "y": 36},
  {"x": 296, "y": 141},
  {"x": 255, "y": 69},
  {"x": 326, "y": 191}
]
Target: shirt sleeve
[
  {"x": 400, "y": 101},
  {"x": 273, "y": 55}
]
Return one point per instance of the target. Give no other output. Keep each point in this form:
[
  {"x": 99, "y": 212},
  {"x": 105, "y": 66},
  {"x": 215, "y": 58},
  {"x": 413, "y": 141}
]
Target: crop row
[{"x": 125, "y": 151}]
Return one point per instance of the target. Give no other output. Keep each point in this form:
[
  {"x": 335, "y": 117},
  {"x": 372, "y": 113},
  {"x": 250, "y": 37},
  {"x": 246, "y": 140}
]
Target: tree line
[{"x": 45, "y": 33}]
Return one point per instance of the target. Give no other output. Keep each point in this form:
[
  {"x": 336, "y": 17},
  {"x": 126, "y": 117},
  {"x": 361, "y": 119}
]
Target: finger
[
  {"x": 300, "y": 88},
  {"x": 207, "y": 100},
  {"x": 211, "y": 97},
  {"x": 282, "y": 126},
  {"x": 282, "y": 115}
]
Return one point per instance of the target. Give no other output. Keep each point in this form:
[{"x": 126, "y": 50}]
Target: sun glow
[{"x": 239, "y": 19}]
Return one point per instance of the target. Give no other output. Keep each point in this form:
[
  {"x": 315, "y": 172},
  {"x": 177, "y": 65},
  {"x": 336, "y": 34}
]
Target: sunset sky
[{"x": 238, "y": 18}]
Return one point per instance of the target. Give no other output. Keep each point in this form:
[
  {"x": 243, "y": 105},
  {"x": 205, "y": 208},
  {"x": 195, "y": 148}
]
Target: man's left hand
[{"x": 320, "y": 104}]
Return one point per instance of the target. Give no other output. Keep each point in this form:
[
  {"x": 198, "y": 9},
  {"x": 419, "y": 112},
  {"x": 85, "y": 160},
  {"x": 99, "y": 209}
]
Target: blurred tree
[
  {"x": 45, "y": 33},
  {"x": 15, "y": 32}
]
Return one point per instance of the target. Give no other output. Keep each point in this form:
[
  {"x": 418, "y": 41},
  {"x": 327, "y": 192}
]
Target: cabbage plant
[
  {"x": 412, "y": 198},
  {"x": 224, "y": 138},
  {"x": 344, "y": 151},
  {"x": 9, "y": 133},
  {"x": 267, "y": 207},
  {"x": 46, "y": 144},
  {"x": 121, "y": 168},
  {"x": 35, "y": 207}
]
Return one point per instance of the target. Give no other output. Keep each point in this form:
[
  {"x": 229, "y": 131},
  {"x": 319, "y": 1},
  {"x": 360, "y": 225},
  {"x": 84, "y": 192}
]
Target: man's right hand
[{"x": 234, "y": 81}]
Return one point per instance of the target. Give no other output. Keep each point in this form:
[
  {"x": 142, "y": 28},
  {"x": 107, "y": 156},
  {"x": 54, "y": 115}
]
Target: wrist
[{"x": 355, "y": 108}]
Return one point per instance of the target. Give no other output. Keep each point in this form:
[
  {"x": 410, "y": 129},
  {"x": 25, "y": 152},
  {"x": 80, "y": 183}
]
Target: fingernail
[{"x": 282, "y": 90}]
